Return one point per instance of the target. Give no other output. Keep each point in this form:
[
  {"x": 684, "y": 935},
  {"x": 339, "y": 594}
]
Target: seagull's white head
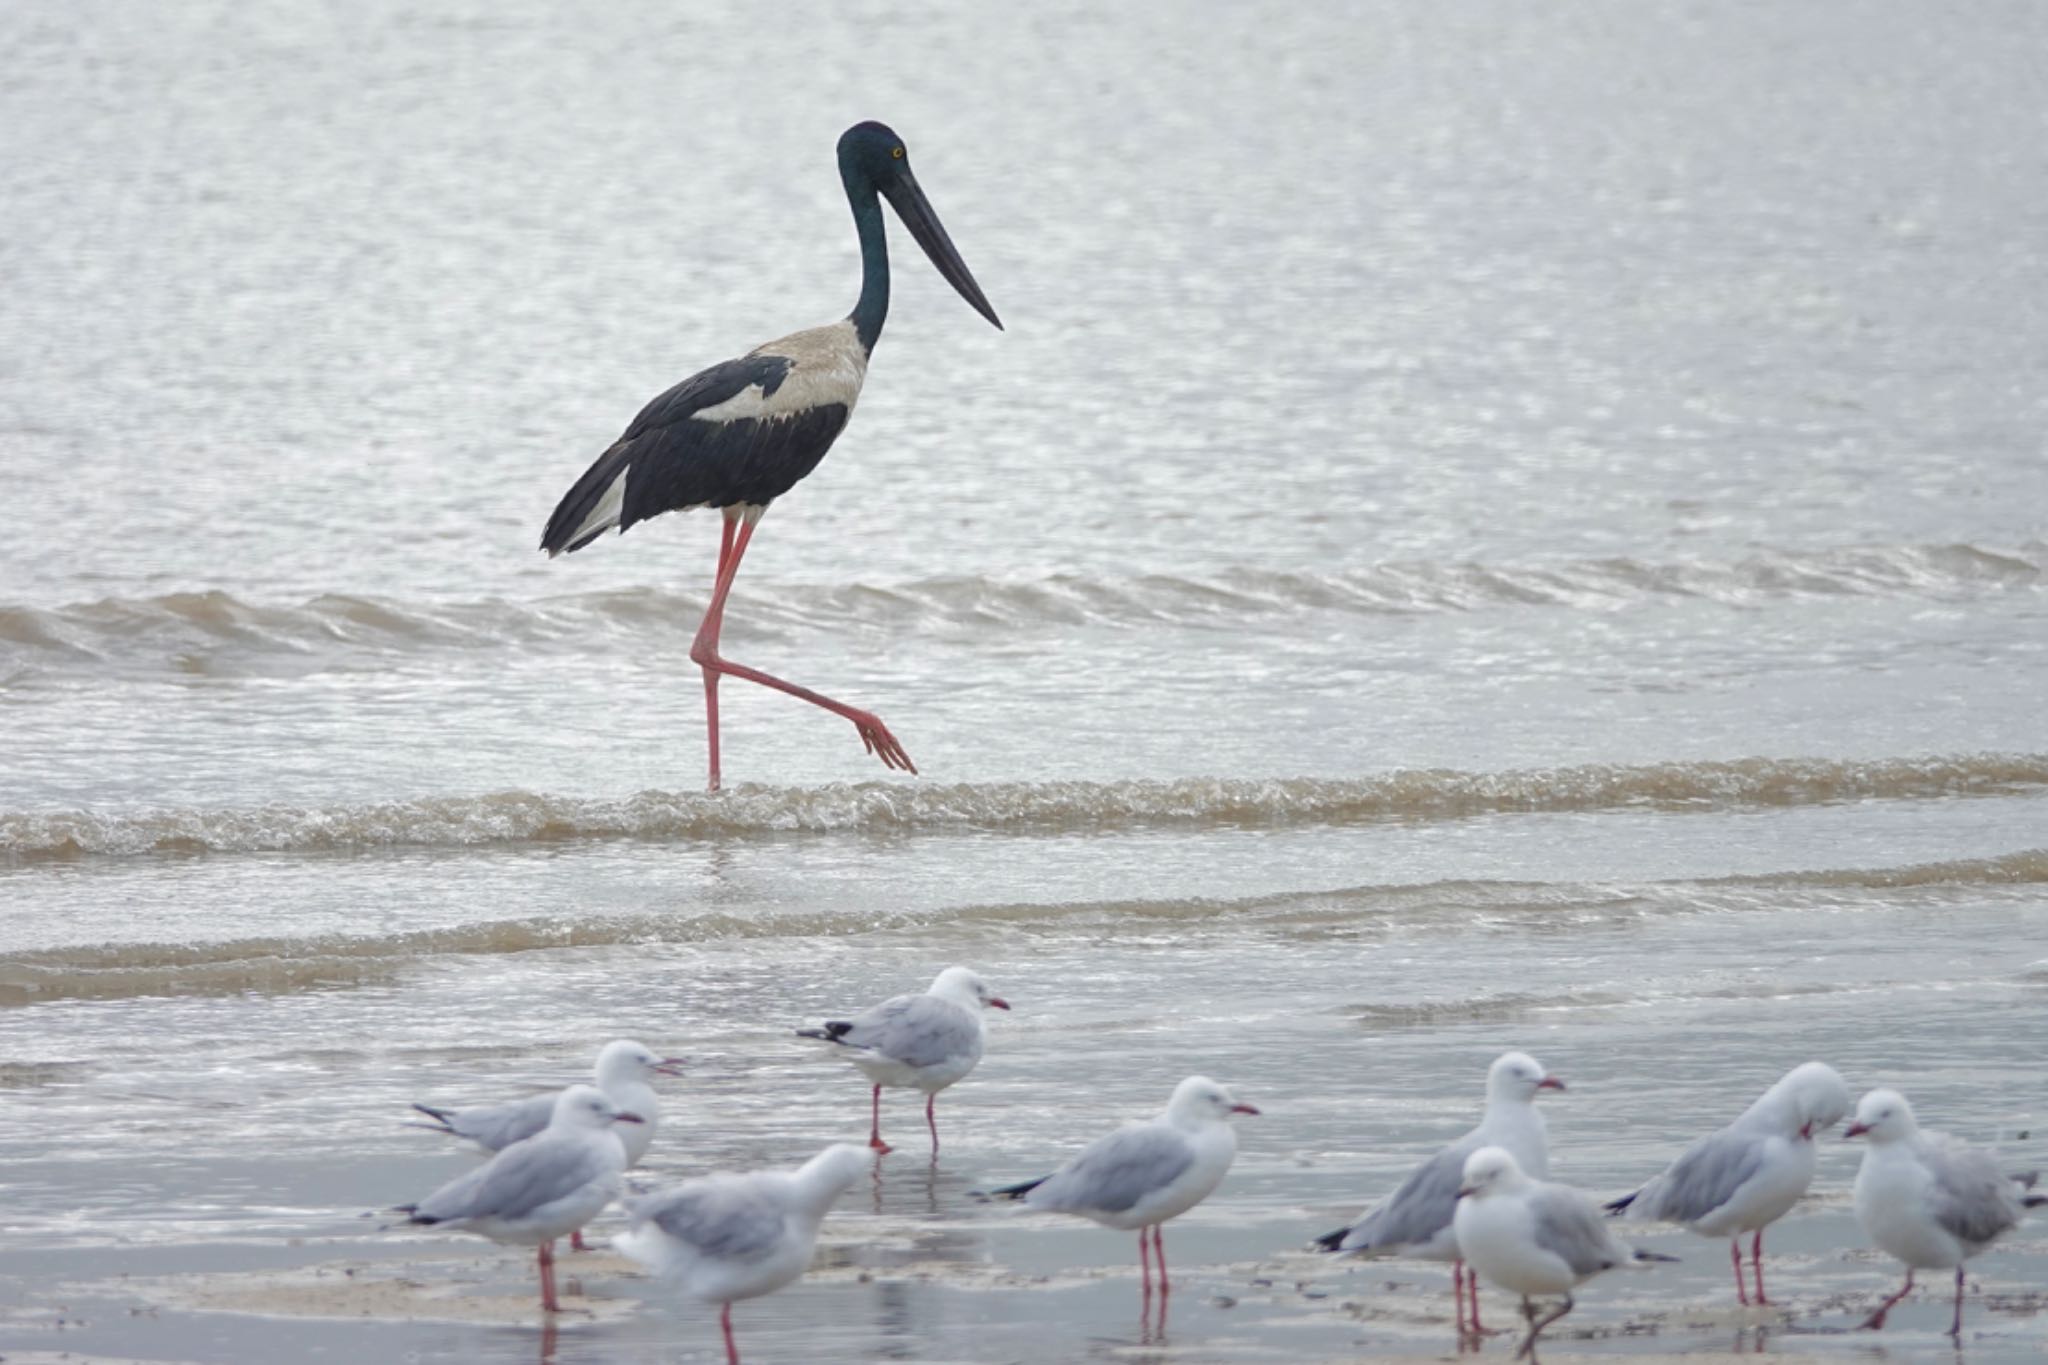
[
  {"x": 1819, "y": 1097},
  {"x": 1199, "y": 1100},
  {"x": 964, "y": 986},
  {"x": 625, "y": 1060},
  {"x": 833, "y": 1171},
  {"x": 1489, "y": 1171},
  {"x": 585, "y": 1106},
  {"x": 1883, "y": 1116},
  {"x": 1518, "y": 1076}
]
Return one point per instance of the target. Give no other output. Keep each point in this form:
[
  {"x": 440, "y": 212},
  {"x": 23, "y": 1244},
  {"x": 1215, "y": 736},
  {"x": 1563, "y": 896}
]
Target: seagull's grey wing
[
  {"x": 1971, "y": 1197},
  {"x": 734, "y": 1218},
  {"x": 1568, "y": 1225},
  {"x": 498, "y": 1126},
  {"x": 917, "y": 1030},
  {"x": 1113, "y": 1173},
  {"x": 1420, "y": 1207},
  {"x": 524, "y": 1177},
  {"x": 1705, "y": 1176}
]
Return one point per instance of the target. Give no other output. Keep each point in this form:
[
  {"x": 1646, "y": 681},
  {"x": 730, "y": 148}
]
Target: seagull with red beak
[
  {"x": 1751, "y": 1173},
  {"x": 915, "y": 1042},
  {"x": 1140, "y": 1176}
]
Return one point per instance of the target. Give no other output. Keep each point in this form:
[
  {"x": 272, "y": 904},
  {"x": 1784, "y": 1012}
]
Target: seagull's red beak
[
  {"x": 999, "y": 1002},
  {"x": 1243, "y": 1109},
  {"x": 671, "y": 1066},
  {"x": 1550, "y": 1083},
  {"x": 1855, "y": 1130},
  {"x": 1465, "y": 1191},
  {"x": 628, "y": 1118}
]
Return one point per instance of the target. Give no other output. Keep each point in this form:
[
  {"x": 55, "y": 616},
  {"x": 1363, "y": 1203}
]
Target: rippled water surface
[{"x": 1489, "y": 526}]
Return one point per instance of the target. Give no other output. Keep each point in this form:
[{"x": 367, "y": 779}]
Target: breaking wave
[
  {"x": 216, "y": 632},
  {"x": 1024, "y": 808}
]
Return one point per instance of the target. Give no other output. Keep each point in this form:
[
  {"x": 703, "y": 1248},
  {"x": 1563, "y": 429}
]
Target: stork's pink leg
[
  {"x": 874, "y": 735},
  {"x": 1756, "y": 1264},
  {"x": 547, "y": 1278},
  {"x": 1876, "y": 1320},
  {"x": 732, "y": 1352},
  {"x": 1735, "y": 1254},
  {"x": 714, "y": 618},
  {"x": 875, "y": 1126}
]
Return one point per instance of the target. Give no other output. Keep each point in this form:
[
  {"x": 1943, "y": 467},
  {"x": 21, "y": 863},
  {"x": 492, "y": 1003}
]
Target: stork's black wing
[{"x": 670, "y": 458}]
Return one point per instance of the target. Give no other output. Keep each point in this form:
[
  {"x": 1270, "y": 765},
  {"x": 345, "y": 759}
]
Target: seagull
[
  {"x": 622, "y": 1073},
  {"x": 1415, "y": 1220},
  {"x": 1146, "y": 1173},
  {"x": 540, "y": 1187},
  {"x": 1750, "y": 1174},
  {"x": 1929, "y": 1199},
  {"x": 925, "y": 1042},
  {"x": 722, "y": 1238},
  {"x": 1534, "y": 1236}
]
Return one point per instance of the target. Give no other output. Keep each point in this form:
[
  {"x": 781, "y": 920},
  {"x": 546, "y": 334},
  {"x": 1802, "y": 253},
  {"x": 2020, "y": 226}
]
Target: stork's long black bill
[{"x": 916, "y": 212}]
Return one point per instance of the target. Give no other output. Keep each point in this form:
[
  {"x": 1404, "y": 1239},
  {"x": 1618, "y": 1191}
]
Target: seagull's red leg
[
  {"x": 1145, "y": 1261},
  {"x": 875, "y": 1126},
  {"x": 576, "y": 1242},
  {"x": 874, "y": 735},
  {"x": 1472, "y": 1298},
  {"x": 1756, "y": 1263},
  {"x": 1458, "y": 1293},
  {"x": 931, "y": 1121},
  {"x": 547, "y": 1278},
  {"x": 1159, "y": 1255},
  {"x": 732, "y": 1352},
  {"x": 714, "y": 617},
  {"x": 1955, "y": 1329},
  {"x": 1735, "y": 1254},
  {"x": 1876, "y": 1320}
]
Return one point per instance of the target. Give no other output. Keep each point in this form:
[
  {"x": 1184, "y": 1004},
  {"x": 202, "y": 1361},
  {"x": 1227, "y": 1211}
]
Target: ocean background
[{"x": 1489, "y": 526}]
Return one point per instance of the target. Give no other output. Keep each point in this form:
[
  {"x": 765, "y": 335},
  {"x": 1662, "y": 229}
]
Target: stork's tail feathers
[
  {"x": 593, "y": 505},
  {"x": 835, "y": 1031}
]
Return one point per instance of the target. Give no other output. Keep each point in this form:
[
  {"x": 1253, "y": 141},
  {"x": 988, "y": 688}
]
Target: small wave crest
[
  {"x": 284, "y": 963},
  {"x": 1023, "y": 808},
  {"x": 218, "y": 633}
]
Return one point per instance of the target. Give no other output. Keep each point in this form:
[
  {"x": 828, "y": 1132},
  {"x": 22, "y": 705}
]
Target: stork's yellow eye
[{"x": 897, "y": 153}]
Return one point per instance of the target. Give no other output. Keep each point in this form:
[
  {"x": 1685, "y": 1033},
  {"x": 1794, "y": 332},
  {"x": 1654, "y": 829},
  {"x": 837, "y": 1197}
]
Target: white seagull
[
  {"x": 722, "y": 1238},
  {"x": 1534, "y": 1236},
  {"x": 541, "y": 1187},
  {"x": 1415, "y": 1220},
  {"x": 1750, "y": 1174},
  {"x": 1146, "y": 1173},
  {"x": 1927, "y": 1198},
  {"x": 623, "y": 1071},
  {"x": 924, "y": 1042}
]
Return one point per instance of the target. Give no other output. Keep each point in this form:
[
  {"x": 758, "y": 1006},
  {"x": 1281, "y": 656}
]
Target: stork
[{"x": 742, "y": 433}]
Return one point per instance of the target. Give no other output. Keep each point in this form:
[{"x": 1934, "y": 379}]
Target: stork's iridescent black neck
[{"x": 873, "y": 165}]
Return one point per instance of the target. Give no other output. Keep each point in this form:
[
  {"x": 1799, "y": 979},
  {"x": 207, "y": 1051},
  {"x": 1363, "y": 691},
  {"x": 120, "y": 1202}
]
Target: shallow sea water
[{"x": 1487, "y": 527}]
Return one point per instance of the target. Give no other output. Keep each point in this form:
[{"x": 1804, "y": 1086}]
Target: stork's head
[{"x": 872, "y": 159}]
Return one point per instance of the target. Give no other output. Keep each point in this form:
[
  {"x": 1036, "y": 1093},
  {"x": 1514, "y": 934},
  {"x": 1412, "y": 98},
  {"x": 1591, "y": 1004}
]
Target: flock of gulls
[{"x": 1483, "y": 1202}]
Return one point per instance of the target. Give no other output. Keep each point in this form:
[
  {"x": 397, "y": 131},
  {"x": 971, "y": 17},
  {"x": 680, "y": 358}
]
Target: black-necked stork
[{"x": 740, "y": 434}]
